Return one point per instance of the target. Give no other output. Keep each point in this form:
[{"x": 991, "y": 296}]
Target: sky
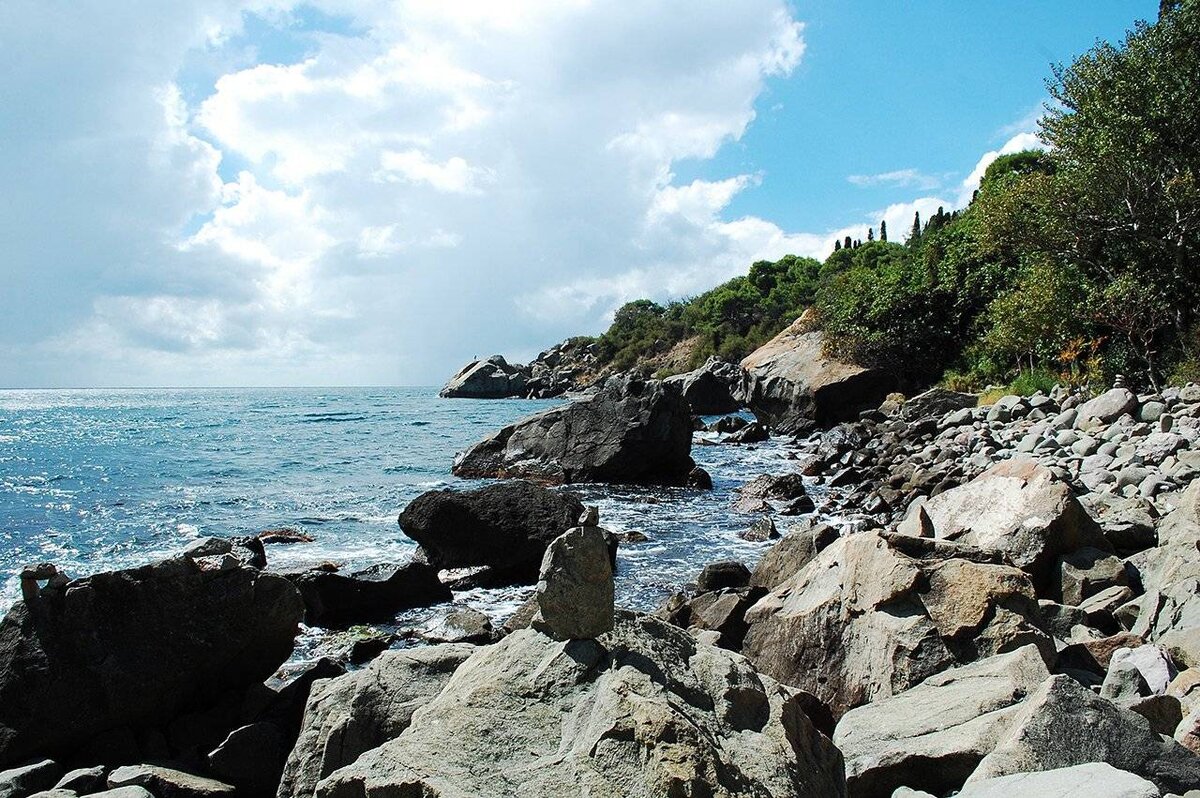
[{"x": 373, "y": 192}]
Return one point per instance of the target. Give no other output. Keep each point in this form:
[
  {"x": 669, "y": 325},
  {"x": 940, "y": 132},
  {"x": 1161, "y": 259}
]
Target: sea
[{"x": 95, "y": 480}]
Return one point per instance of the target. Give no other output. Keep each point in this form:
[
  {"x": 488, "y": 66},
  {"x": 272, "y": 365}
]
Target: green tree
[
  {"x": 1124, "y": 137},
  {"x": 883, "y": 231}
]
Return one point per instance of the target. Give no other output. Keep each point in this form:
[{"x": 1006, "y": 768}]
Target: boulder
[
  {"x": 494, "y": 378},
  {"x": 506, "y": 526},
  {"x": 876, "y": 612},
  {"x": 1063, "y": 723},
  {"x": 83, "y": 780},
  {"x": 1106, "y": 408},
  {"x": 933, "y": 735},
  {"x": 1093, "y": 780},
  {"x": 26, "y": 780},
  {"x": 166, "y": 782},
  {"x": 575, "y": 588},
  {"x": 722, "y": 574},
  {"x": 1177, "y": 555},
  {"x": 792, "y": 381},
  {"x": 935, "y": 403},
  {"x": 754, "y": 432},
  {"x": 1022, "y": 509},
  {"x": 1086, "y": 572},
  {"x": 755, "y": 495},
  {"x": 641, "y": 711},
  {"x": 376, "y": 593},
  {"x": 136, "y": 648},
  {"x": 352, "y": 714},
  {"x": 630, "y": 431},
  {"x": 713, "y": 389}
]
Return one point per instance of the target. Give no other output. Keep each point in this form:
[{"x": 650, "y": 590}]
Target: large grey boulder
[
  {"x": 642, "y": 712},
  {"x": 506, "y": 526},
  {"x": 575, "y": 588},
  {"x": 137, "y": 648},
  {"x": 1177, "y": 555},
  {"x": 352, "y": 714},
  {"x": 791, "y": 381},
  {"x": 494, "y": 378},
  {"x": 630, "y": 431},
  {"x": 1063, "y": 723},
  {"x": 1022, "y": 509},
  {"x": 713, "y": 389},
  {"x": 26, "y": 780},
  {"x": 1093, "y": 780},
  {"x": 935, "y": 403},
  {"x": 934, "y": 735},
  {"x": 877, "y": 612},
  {"x": 1106, "y": 408}
]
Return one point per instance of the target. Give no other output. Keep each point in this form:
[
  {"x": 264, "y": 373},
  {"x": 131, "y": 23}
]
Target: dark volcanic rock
[
  {"x": 630, "y": 431},
  {"x": 507, "y": 525},
  {"x": 136, "y": 647},
  {"x": 373, "y": 594},
  {"x": 713, "y": 388}
]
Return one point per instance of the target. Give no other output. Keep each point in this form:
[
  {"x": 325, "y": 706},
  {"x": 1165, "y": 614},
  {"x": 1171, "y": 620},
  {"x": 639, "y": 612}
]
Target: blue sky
[{"x": 226, "y": 192}]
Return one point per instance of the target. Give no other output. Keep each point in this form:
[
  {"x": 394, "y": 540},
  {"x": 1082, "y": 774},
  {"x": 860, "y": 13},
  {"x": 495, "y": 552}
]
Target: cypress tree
[
  {"x": 837, "y": 245},
  {"x": 883, "y": 230},
  {"x": 848, "y": 244},
  {"x": 870, "y": 234},
  {"x": 915, "y": 235}
]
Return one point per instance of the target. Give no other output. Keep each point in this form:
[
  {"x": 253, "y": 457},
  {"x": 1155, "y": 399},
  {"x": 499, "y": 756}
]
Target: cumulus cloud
[{"x": 420, "y": 182}]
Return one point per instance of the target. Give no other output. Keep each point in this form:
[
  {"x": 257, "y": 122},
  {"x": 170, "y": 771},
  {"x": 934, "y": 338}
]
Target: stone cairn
[{"x": 575, "y": 589}]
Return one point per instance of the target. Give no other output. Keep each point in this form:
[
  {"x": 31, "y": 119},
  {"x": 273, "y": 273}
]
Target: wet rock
[
  {"x": 629, "y": 431},
  {"x": 644, "y": 710},
  {"x": 284, "y": 535},
  {"x": 463, "y": 625},
  {"x": 753, "y": 432},
  {"x": 722, "y": 574},
  {"x": 136, "y": 648},
  {"x": 575, "y": 589},
  {"x": 699, "y": 479},
  {"x": 372, "y": 594},
  {"x": 763, "y": 529},
  {"x": 352, "y": 714},
  {"x": 505, "y": 526}
]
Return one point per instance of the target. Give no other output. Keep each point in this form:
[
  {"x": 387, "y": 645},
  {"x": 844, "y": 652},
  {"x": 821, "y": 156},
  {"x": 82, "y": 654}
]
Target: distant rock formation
[{"x": 566, "y": 367}]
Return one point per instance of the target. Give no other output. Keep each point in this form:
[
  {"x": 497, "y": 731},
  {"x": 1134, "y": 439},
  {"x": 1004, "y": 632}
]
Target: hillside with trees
[{"x": 1072, "y": 264}]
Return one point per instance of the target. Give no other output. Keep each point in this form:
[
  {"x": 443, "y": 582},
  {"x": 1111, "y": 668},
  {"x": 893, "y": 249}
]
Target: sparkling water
[{"x": 94, "y": 480}]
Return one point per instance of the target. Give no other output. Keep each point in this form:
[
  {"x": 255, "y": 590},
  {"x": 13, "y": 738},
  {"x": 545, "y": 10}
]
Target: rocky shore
[{"x": 958, "y": 600}]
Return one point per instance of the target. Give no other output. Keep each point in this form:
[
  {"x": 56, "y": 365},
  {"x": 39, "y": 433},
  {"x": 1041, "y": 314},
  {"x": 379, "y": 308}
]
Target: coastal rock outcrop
[
  {"x": 376, "y": 593},
  {"x": 875, "y": 613},
  {"x": 791, "y": 381},
  {"x": 506, "y": 526},
  {"x": 713, "y": 389},
  {"x": 136, "y": 647},
  {"x": 630, "y": 431},
  {"x": 493, "y": 378},
  {"x": 641, "y": 711}
]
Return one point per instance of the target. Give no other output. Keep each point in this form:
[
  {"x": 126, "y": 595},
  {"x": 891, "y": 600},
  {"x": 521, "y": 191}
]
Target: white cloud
[
  {"x": 900, "y": 178},
  {"x": 1018, "y": 142},
  {"x": 454, "y": 176}
]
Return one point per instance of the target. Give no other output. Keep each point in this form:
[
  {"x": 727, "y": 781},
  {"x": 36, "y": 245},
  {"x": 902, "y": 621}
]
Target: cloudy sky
[{"x": 262, "y": 192}]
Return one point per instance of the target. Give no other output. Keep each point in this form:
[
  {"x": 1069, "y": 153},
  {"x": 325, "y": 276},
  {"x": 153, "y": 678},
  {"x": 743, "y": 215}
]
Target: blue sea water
[{"x": 94, "y": 480}]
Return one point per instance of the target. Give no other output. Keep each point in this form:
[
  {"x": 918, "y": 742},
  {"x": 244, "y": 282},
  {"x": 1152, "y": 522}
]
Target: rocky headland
[{"x": 958, "y": 599}]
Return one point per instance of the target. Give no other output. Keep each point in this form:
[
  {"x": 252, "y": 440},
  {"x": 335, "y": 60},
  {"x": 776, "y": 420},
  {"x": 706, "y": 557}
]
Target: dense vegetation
[{"x": 1072, "y": 264}]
